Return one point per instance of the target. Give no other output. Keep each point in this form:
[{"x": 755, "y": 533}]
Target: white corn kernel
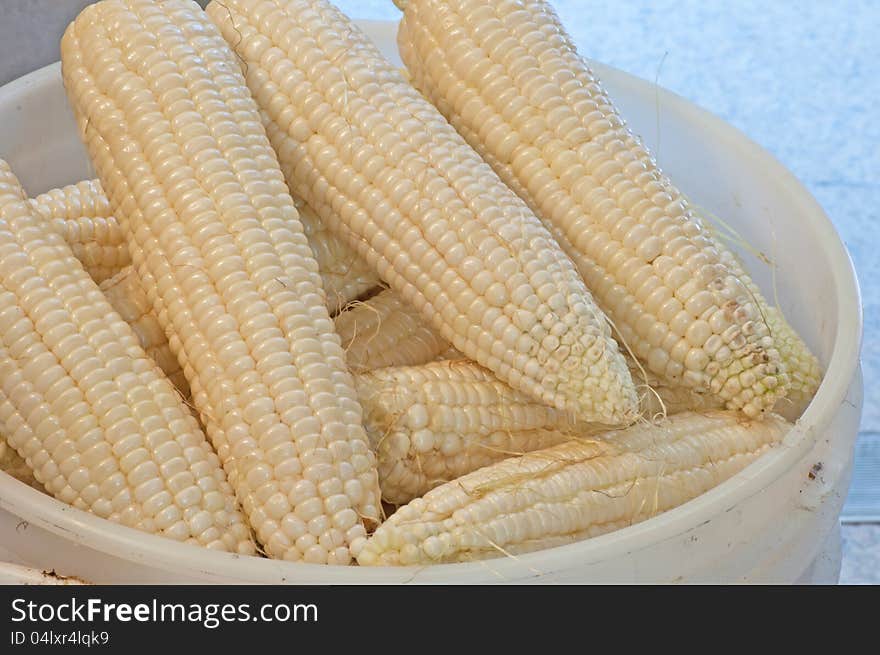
[{"x": 216, "y": 240}]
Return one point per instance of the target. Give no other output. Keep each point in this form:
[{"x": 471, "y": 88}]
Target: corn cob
[
  {"x": 81, "y": 214},
  {"x": 126, "y": 295},
  {"x": 385, "y": 331},
  {"x": 435, "y": 223},
  {"x": 433, "y": 423},
  {"x": 216, "y": 240},
  {"x": 573, "y": 491},
  {"x": 84, "y": 406},
  {"x": 508, "y": 78}
]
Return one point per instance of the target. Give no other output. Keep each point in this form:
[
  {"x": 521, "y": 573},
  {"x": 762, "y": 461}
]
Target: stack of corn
[{"x": 536, "y": 338}]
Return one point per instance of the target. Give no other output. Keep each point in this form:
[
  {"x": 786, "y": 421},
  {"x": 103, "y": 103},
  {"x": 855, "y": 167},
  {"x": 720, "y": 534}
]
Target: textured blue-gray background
[{"x": 800, "y": 78}]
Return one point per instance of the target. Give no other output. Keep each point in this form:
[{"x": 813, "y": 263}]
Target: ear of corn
[
  {"x": 216, "y": 240},
  {"x": 83, "y": 405},
  {"x": 430, "y": 424},
  {"x": 573, "y": 491},
  {"x": 435, "y": 223},
  {"x": 385, "y": 331},
  {"x": 508, "y": 78}
]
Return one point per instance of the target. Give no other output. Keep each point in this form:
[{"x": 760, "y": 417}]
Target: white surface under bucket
[{"x": 777, "y": 521}]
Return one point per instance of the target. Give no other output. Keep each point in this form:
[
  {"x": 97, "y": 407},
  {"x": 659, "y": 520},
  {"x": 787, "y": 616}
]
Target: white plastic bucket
[{"x": 777, "y": 521}]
